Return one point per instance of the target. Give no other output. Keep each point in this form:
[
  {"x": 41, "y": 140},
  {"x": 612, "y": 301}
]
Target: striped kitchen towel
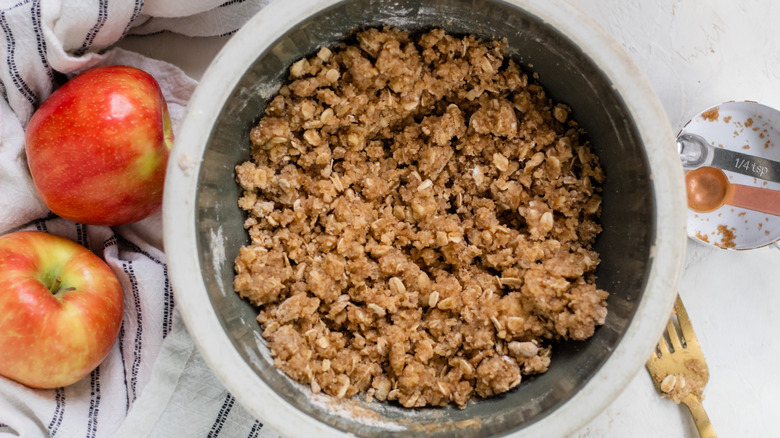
[{"x": 154, "y": 382}]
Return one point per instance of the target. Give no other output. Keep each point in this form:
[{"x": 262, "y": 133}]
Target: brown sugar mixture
[
  {"x": 712, "y": 114},
  {"x": 421, "y": 219},
  {"x": 728, "y": 237}
]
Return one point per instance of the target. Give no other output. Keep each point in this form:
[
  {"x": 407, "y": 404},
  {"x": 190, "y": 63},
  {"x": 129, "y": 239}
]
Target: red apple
[
  {"x": 60, "y": 309},
  {"x": 98, "y": 147}
]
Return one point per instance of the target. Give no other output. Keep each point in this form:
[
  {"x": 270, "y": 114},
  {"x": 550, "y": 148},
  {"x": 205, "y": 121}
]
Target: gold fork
[{"x": 678, "y": 368}]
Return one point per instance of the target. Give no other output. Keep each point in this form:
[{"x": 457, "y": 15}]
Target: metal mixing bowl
[{"x": 643, "y": 212}]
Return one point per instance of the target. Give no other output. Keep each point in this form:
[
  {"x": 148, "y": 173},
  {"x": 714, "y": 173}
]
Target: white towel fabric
[{"x": 154, "y": 382}]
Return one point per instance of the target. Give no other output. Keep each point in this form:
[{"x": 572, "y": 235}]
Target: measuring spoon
[
  {"x": 695, "y": 152},
  {"x": 708, "y": 188}
]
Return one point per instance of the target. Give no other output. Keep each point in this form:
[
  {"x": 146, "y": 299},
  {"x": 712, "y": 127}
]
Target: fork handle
[{"x": 700, "y": 417}]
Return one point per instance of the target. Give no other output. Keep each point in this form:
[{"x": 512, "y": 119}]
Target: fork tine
[
  {"x": 685, "y": 324},
  {"x": 662, "y": 347},
  {"x": 674, "y": 337}
]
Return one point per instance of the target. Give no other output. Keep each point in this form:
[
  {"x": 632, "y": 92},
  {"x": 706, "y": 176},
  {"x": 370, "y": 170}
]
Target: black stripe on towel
[
  {"x": 94, "y": 403},
  {"x": 21, "y": 3},
  {"x": 128, "y": 268},
  {"x": 114, "y": 241},
  {"x": 139, "y": 4},
  {"x": 59, "y": 411},
  {"x": 81, "y": 235},
  {"x": 167, "y": 305},
  {"x": 39, "y": 39},
  {"x": 101, "y": 20},
  {"x": 222, "y": 416},
  {"x": 124, "y": 368},
  {"x": 111, "y": 241},
  {"x": 138, "y": 249},
  {"x": 40, "y": 225},
  {"x": 10, "y": 46},
  {"x": 231, "y": 2},
  {"x": 255, "y": 429},
  {"x": 3, "y": 89},
  {"x": 168, "y": 302},
  {"x": 228, "y": 33}
]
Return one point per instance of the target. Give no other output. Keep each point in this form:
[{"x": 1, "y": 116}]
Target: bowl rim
[{"x": 180, "y": 236}]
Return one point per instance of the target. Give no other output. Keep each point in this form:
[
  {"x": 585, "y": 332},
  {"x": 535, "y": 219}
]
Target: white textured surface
[
  {"x": 698, "y": 54},
  {"x": 695, "y": 54}
]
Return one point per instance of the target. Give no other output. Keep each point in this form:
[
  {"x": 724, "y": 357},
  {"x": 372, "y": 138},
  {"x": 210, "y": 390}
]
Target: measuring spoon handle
[
  {"x": 746, "y": 164},
  {"x": 754, "y": 198}
]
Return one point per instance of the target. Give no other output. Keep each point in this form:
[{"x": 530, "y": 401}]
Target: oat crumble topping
[
  {"x": 421, "y": 218},
  {"x": 692, "y": 381}
]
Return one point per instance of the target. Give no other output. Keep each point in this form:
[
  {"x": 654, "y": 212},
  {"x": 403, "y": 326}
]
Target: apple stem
[{"x": 56, "y": 286}]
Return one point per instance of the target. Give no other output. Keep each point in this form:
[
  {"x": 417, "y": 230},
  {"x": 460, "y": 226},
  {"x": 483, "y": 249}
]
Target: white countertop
[{"x": 695, "y": 54}]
